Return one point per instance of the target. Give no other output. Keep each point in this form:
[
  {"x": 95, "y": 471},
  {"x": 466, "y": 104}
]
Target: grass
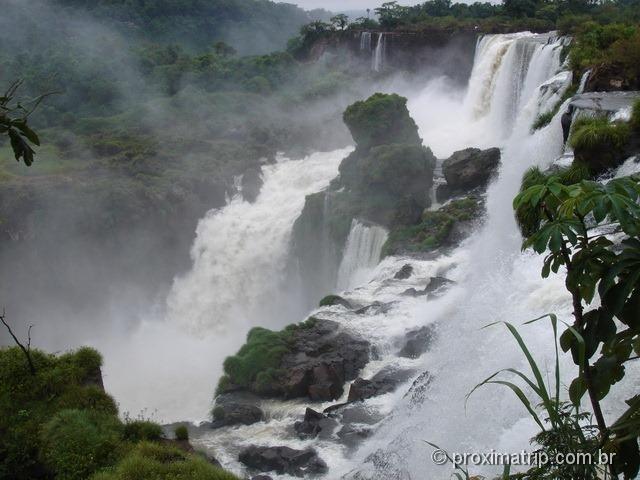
[
  {"x": 635, "y": 116},
  {"x": 545, "y": 118},
  {"x": 597, "y": 134}
]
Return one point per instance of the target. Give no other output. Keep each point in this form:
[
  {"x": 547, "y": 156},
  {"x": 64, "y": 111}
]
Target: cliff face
[{"x": 448, "y": 53}]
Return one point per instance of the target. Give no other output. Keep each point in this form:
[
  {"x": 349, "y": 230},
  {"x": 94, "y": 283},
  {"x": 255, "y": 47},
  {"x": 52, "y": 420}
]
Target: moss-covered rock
[
  {"x": 440, "y": 228},
  {"x": 331, "y": 300},
  {"x": 381, "y": 119},
  {"x": 312, "y": 359}
]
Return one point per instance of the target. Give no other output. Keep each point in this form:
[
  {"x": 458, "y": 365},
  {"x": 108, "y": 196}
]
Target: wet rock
[
  {"x": 418, "y": 390},
  {"x": 261, "y": 477},
  {"x": 353, "y": 435},
  {"x": 313, "y": 424},
  {"x": 471, "y": 168},
  {"x": 385, "y": 381},
  {"x": 436, "y": 285},
  {"x": 236, "y": 408},
  {"x": 331, "y": 300},
  {"x": 283, "y": 460},
  {"x": 405, "y": 272},
  {"x": 418, "y": 342},
  {"x": 322, "y": 360},
  {"x": 251, "y": 184},
  {"x": 375, "y": 308}
]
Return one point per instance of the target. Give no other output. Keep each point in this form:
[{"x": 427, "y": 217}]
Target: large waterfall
[{"x": 239, "y": 273}]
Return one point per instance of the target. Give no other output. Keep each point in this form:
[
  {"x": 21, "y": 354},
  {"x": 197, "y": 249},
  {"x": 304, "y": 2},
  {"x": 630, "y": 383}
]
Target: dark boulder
[
  {"x": 236, "y": 408},
  {"x": 385, "y": 381},
  {"x": 261, "y": 477},
  {"x": 471, "y": 168},
  {"x": 313, "y": 424},
  {"x": 405, "y": 272},
  {"x": 436, "y": 285},
  {"x": 418, "y": 342},
  {"x": 331, "y": 300},
  {"x": 375, "y": 308},
  {"x": 251, "y": 184},
  {"x": 283, "y": 460},
  {"x": 353, "y": 435}
]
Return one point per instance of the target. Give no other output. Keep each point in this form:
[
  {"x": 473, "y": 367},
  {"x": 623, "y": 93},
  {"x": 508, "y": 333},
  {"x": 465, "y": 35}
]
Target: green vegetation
[
  {"x": 635, "y": 116},
  {"x": 599, "y": 143},
  {"x": 434, "y": 230},
  {"x": 331, "y": 300},
  {"x": 148, "y": 461},
  {"x": 379, "y": 120},
  {"x": 256, "y": 366},
  {"x": 181, "y": 433},
  {"x": 593, "y": 264},
  {"x": 57, "y": 422}
]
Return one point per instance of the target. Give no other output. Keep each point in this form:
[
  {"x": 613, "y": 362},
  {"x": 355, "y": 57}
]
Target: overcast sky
[{"x": 341, "y": 5}]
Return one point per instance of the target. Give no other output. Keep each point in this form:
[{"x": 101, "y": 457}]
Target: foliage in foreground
[
  {"x": 577, "y": 225},
  {"x": 58, "y": 422}
]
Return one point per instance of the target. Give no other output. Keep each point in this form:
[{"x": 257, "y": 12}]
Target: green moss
[
  {"x": 181, "y": 433},
  {"x": 150, "y": 461},
  {"x": 77, "y": 443},
  {"x": 141, "y": 430},
  {"x": 545, "y": 118},
  {"x": 434, "y": 230},
  {"x": 218, "y": 413},
  {"x": 381, "y": 119}
]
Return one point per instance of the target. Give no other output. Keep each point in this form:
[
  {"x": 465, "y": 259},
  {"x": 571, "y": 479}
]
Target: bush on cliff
[
  {"x": 381, "y": 119},
  {"x": 27, "y": 402},
  {"x": 599, "y": 143}
]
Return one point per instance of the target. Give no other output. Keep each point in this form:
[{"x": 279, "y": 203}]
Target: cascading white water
[
  {"x": 365, "y": 41},
  {"x": 240, "y": 252},
  {"x": 378, "y": 54},
  {"x": 361, "y": 254}
]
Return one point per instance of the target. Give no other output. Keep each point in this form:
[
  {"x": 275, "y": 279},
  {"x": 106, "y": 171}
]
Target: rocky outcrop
[
  {"x": 236, "y": 408},
  {"x": 283, "y": 460},
  {"x": 331, "y": 300},
  {"x": 312, "y": 359},
  {"x": 385, "y": 181},
  {"x": 313, "y": 424},
  {"x": 470, "y": 168},
  {"x": 435, "y": 286},
  {"x": 385, "y": 381},
  {"x": 418, "y": 342},
  {"x": 404, "y": 273}
]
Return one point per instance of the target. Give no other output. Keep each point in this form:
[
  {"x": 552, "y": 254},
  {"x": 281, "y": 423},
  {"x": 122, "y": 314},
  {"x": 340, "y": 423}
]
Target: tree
[
  {"x": 573, "y": 226},
  {"x": 13, "y": 122},
  {"x": 223, "y": 49},
  {"x": 340, "y": 21},
  {"x": 390, "y": 14}
]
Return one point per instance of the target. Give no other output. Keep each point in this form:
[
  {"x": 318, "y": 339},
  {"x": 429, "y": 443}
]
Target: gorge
[{"x": 329, "y": 318}]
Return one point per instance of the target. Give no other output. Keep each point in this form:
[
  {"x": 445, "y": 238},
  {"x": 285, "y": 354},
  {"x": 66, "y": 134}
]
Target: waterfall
[
  {"x": 240, "y": 251},
  {"x": 365, "y": 41},
  {"x": 361, "y": 254},
  {"x": 378, "y": 55}
]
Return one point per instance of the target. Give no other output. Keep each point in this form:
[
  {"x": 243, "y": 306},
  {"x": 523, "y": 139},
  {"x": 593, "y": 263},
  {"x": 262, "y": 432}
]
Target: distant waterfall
[
  {"x": 378, "y": 55},
  {"x": 361, "y": 254},
  {"x": 365, "y": 41}
]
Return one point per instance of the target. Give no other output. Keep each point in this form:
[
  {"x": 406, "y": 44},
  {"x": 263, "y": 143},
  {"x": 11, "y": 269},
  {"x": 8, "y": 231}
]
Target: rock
[
  {"x": 236, "y": 408},
  {"x": 313, "y": 424},
  {"x": 322, "y": 359},
  {"x": 404, "y": 273},
  {"x": 331, "y": 300},
  {"x": 417, "y": 342},
  {"x": 251, "y": 184},
  {"x": 471, "y": 168},
  {"x": 283, "y": 460},
  {"x": 261, "y": 477},
  {"x": 418, "y": 390},
  {"x": 353, "y": 435},
  {"x": 375, "y": 308},
  {"x": 436, "y": 285},
  {"x": 385, "y": 381}
]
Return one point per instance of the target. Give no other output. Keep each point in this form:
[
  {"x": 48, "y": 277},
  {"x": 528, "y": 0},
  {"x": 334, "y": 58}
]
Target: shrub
[
  {"x": 635, "y": 116},
  {"x": 140, "y": 430},
  {"x": 599, "y": 143},
  {"x": 157, "y": 462},
  {"x": 181, "y": 433},
  {"x": 76, "y": 443}
]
